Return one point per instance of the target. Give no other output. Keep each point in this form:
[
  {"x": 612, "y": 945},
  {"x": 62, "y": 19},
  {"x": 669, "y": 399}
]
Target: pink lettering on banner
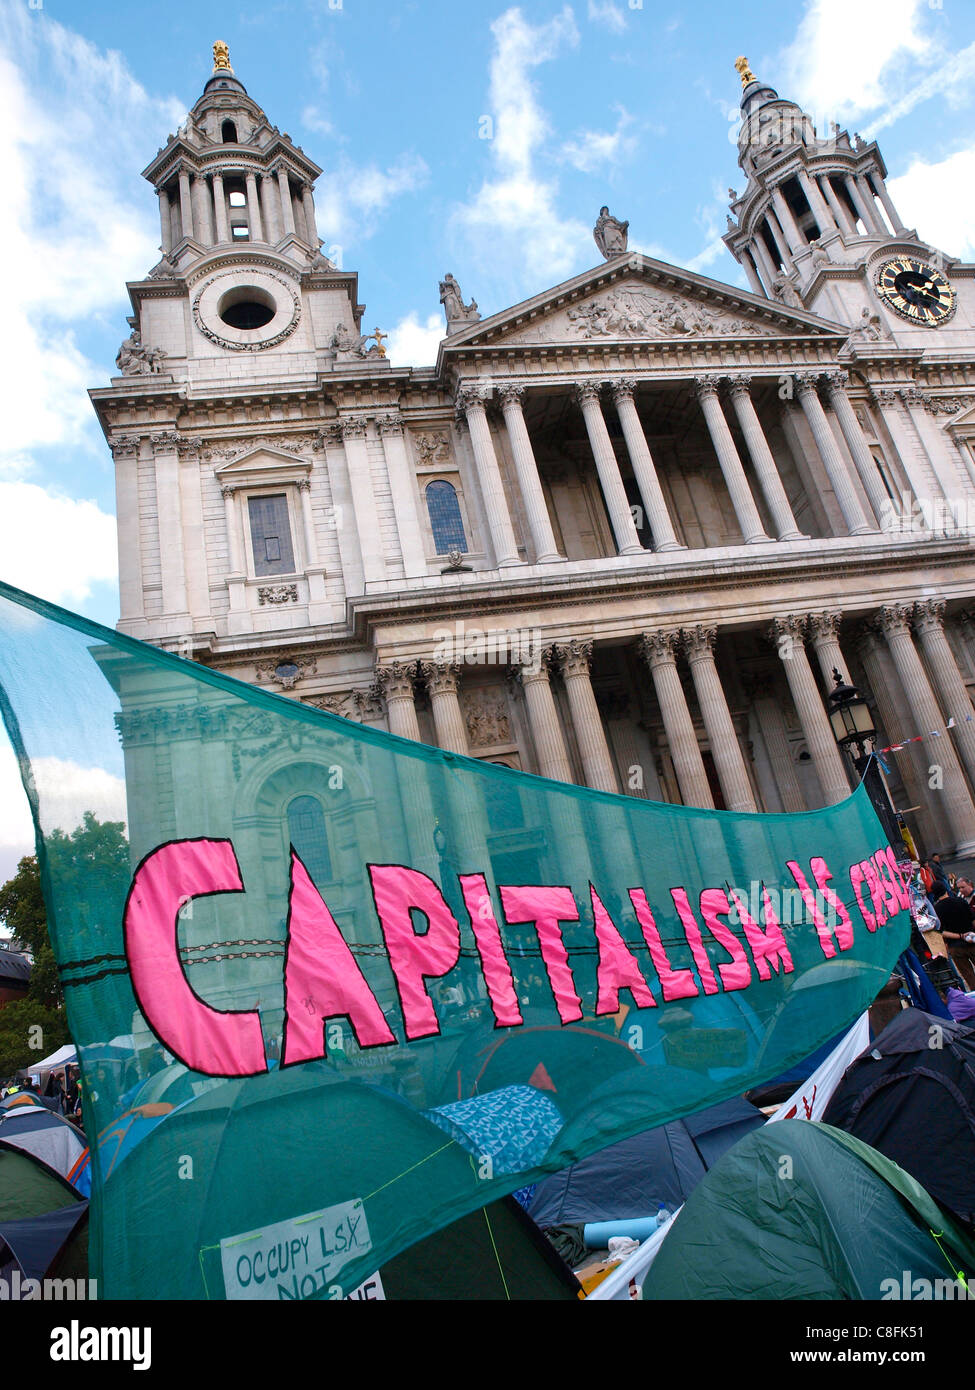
[
  {"x": 494, "y": 963},
  {"x": 693, "y": 933},
  {"x": 321, "y": 978},
  {"x": 888, "y": 882},
  {"x": 902, "y": 870},
  {"x": 617, "y": 968},
  {"x": 546, "y": 908},
  {"x": 876, "y": 891},
  {"x": 768, "y": 947},
  {"x": 737, "y": 975},
  {"x": 415, "y": 956},
  {"x": 207, "y": 1040},
  {"x": 826, "y": 942},
  {"x": 844, "y": 927},
  {"x": 674, "y": 984},
  {"x": 857, "y": 877}
]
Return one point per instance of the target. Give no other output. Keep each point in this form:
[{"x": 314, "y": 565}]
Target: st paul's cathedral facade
[{"x": 621, "y": 534}]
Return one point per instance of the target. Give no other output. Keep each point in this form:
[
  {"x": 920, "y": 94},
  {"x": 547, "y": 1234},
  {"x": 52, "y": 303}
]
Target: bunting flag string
[{"x": 932, "y": 733}]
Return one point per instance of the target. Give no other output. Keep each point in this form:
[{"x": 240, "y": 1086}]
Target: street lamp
[{"x": 853, "y": 728}]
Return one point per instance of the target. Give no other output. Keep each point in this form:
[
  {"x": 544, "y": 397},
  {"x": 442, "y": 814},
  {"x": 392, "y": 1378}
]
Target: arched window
[
  {"x": 445, "y": 518},
  {"x": 228, "y": 133},
  {"x": 306, "y": 828}
]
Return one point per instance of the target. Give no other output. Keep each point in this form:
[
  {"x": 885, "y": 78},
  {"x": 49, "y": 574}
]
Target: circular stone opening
[{"x": 246, "y": 306}]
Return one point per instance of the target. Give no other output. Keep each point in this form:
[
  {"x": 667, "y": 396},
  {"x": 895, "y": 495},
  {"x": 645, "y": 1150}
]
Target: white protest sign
[{"x": 295, "y": 1259}]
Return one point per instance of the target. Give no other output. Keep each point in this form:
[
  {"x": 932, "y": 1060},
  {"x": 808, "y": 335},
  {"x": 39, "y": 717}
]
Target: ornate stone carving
[
  {"x": 389, "y": 424},
  {"x": 658, "y": 648},
  {"x": 699, "y": 641},
  {"x": 396, "y": 679},
  {"x": 787, "y": 632},
  {"x": 232, "y": 449},
  {"x": 277, "y": 594},
  {"x": 441, "y": 677},
  {"x": 913, "y": 395},
  {"x": 836, "y": 382},
  {"x": 125, "y": 445},
  {"x": 431, "y": 449},
  {"x": 367, "y": 702},
  {"x": 896, "y": 617},
  {"x": 929, "y": 614},
  {"x": 642, "y": 313},
  {"x": 328, "y": 435},
  {"x": 189, "y": 446},
  {"x": 134, "y": 359},
  {"x": 353, "y": 427},
  {"x": 705, "y": 386},
  {"x": 739, "y": 385},
  {"x": 164, "y": 269},
  {"x": 216, "y": 336},
  {"x": 825, "y": 625},
  {"x": 870, "y": 328},
  {"x": 609, "y": 234},
  {"x": 458, "y": 314},
  {"x": 303, "y": 484},
  {"x": 471, "y": 395},
  {"x": 332, "y": 703},
  {"x": 348, "y": 343},
  {"x": 164, "y": 441},
  {"x": 946, "y": 405},
  {"x": 586, "y": 391},
  {"x": 885, "y": 396},
  {"x": 511, "y": 393},
  {"x": 285, "y": 671},
  {"x": 488, "y": 721},
  {"x": 784, "y": 290},
  {"x": 574, "y": 656},
  {"x": 807, "y": 381}
]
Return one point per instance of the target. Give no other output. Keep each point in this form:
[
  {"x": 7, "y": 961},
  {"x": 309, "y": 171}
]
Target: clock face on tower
[{"x": 916, "y": 291}]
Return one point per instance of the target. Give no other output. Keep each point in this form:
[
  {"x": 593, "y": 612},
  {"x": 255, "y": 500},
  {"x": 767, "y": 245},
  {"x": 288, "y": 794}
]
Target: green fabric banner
[{"x": 336, "y": 989}]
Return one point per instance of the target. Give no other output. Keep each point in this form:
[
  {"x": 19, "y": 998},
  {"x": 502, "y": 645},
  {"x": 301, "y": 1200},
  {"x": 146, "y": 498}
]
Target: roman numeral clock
[{"x": 916, "y": 291}]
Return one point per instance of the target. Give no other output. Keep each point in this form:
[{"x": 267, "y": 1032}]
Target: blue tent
[{"x": 633, "y": 1177}]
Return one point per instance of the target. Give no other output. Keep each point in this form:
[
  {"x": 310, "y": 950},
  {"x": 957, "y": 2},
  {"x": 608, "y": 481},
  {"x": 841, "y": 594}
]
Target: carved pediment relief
[
  {"x": 262, "y": 465},
  {"x": 635, "y": 310}
]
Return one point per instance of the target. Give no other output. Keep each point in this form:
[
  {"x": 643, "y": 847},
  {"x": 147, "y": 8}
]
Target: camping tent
[
  {"x": 800, "y": 1210},
  {"x": 39, "y": 1131},
  {"x": 632, "y": 1178},
  {"x": 43, "y": 1220},
  {"x": 911, "y": 1095}
]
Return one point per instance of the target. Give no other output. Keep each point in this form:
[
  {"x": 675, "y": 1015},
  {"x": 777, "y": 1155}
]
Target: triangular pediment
[
  {"x": 261, "y": 463},
  {"x": 638, "y": 299}
]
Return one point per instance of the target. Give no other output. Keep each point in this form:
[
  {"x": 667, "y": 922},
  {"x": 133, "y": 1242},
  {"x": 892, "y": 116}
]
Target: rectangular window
[{"x": 271, "y": 535}]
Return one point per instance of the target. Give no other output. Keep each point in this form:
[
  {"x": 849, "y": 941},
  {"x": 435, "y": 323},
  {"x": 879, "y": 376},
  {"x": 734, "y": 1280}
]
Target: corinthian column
[
  {"x": 442, "y": 680},
  {"x": 849, "y": 503},
  {"x": 895, "y": 619},
  {"x": 929, "y": 616},
  {"x": 661, "y": 527},
  {"x": 471, "y": 402},
  {"x": 788, "y": 637},
  {"x": 762, "y": 461},
  {"x": 768, "y": 715},
  {"x": 734, "y": 475},
  {"x": 574, "y": 657},
  {"x": 865, "y": 463},
  {"x": 659, "y": 652},
  {"x": 253, "y": 207},
  {"x": 824, "y": 630},
  {"x": 185, "y": 203},
  {"x": 725, "y": 748},
  {"x": 287, "y": 207},
  {"x": 395, "y": 680},
  {"x": 539, "y": 522},
  {"x": 543, "y": 719},
  {"x": 220, "y": 209},
  {"x": 614, "y": 493}
]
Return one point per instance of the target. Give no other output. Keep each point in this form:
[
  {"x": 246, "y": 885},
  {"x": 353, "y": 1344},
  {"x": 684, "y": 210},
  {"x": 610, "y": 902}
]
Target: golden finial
[
  {"x": 379, "y": 341},
  {"x": 747, "y": 75},
  {"x": 221, "y": 57}
]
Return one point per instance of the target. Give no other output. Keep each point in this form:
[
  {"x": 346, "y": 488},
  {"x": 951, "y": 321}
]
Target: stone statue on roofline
[
  {"x": 136, "y": 360},
  {"x": 609, "y": 234},
  {"x": 458, "y": 314}
]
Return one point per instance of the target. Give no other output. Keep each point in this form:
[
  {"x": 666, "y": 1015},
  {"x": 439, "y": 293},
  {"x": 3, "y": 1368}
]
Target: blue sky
[{"x": 469, "y": 136}]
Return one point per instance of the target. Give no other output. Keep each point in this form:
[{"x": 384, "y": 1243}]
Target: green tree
[{"x": 95, "y": 855}]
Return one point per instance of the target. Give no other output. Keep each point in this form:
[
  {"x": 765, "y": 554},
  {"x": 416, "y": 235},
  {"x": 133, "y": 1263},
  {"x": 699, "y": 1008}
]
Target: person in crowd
[
  {"x": 966, "y": 891},
  {"x": 939, "y": 871},
  {"x": 956, "y": 924}
]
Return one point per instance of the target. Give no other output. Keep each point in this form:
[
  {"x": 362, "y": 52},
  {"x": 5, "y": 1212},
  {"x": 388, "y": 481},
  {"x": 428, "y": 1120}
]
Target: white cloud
[
  {"x": 67, "y": 790},
  {"x": 415, "y": 344},
  {"x": 607, "y": 13},
  {"x": 952, "y": 80},
  {"x": 594, "y": 151},
  {"x": 53, "y": 546},
  {"x": 75, "y": 125},
  {"x": 919, "y": 197},
  {"x": 512, "y": 219},
  {"x": 349, "y": 203},
  {"x": 313, "y": 119},
  {"x": 847, "y": 59}
]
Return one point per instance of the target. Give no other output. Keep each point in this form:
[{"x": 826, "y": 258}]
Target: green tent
[
  {"x": 43, "y": 1220},
  {"x": 800, "y": 1210}
]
